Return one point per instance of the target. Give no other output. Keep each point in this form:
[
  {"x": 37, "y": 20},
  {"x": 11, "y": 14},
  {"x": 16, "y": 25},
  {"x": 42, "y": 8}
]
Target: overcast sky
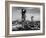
[{"x": 30, "y": 11}]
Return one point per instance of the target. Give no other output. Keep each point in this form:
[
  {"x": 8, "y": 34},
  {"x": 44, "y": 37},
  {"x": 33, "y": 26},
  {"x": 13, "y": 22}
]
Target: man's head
[{"x": 23, "y": 10}]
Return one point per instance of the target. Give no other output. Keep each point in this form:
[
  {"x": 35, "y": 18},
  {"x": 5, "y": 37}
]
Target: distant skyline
[{"x": 30, "y": 11}]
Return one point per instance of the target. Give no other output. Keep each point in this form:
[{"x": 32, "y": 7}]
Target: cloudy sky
[{"x": 30, "y": 11}]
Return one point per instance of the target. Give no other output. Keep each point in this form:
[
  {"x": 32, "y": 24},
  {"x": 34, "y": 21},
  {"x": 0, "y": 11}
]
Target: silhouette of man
[{"x": 23, "y": 14}]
